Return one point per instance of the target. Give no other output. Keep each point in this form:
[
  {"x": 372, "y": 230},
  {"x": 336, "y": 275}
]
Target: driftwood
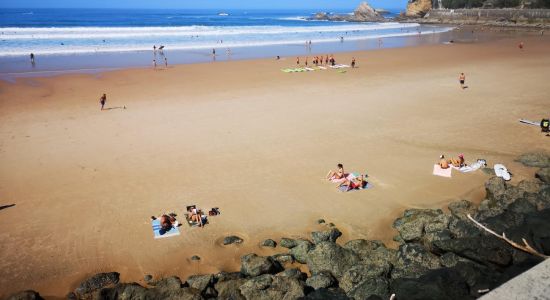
[{"x": 525, "y": 247}]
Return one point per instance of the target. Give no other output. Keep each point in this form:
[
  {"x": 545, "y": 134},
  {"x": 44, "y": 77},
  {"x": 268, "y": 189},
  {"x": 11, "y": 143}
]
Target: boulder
[
  {"x": 331, "y": 257},
  {"x": 535, "y": 159},
  {"x": 254, "y": 265},
  {"x": 293, "y": 273},
  {"x": 25, "y": 295},
  {"x": 301, "y": 250},
  {"x": 269, "y": 243},
  {"x": 195, "y": 258},
  {"x": 372, "y": 252},
  {"x": 200, "y": 282},
  {"x": 413, "y": 261},
  {"x": 283, "y": 258},
  {"x": 149, "y": 279},
  {"x": 288, "y": 243},
  {"x": 437, "y": 284},
  {"x": 486, "y": 250},
  {"x": 169, "y": 283},
  {"x": 544, "y": 175},
  {"x": 124, "y": 291},
  {"x": 267, "y": 287},
  {"x": 330, "y": 235},
  {"x": 377, "y": 287},
  {"x": 230, "y": 289},
  {"x": 96, "y": 282},
  {"x": 233, "y": 239},
  {"x": 416, "y": 223},
  {"x": 327, "y": 294},
  {"x": 495, "y": 188},
  {"x": 359, "y": 273},
  {"x": 321, "y": 280},
  {"x": 418, "y": 8},
  {"x": 462, "y": 208}
]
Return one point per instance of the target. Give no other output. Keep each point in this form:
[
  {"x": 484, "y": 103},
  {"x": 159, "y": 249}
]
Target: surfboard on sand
[
  {"x": 528, "y": 122},
  {"x": 502, "y": 172}
]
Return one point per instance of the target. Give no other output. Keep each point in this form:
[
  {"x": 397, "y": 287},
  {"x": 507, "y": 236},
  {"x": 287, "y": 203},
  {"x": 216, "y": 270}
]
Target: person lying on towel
[
  {"x": 458, "y": 162},
  {"x": 443, "y": 163},
  {"x": 355, "y": 183},
  {"x": 167, "y": 222}
]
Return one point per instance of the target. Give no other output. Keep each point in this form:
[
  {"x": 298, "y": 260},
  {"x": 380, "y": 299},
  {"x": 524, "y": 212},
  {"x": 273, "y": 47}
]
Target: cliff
[
  {"x": 418, "y": 8},
  {"x": 363, "y": 13}
]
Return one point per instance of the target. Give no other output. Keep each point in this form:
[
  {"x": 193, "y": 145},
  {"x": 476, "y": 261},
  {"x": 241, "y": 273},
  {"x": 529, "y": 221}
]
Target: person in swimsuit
[
  {"x": 353, "y": 62},
  {"x": 166, "y": 222},
  {"x": 459, "y": 162},
  {"x": 443, "y": 163},
  {"x": 102, "y": 100},
  {"x": 355, "y": 183},
  {"x": 462, "y": 79},
  {"x": 339, "y": 174},
  {"x": 195, "y": 215},
  {"x": 297, "y": 61}
]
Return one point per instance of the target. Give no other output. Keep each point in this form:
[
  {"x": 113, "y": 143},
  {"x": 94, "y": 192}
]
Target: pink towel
[{"x": 442, "y": 172}]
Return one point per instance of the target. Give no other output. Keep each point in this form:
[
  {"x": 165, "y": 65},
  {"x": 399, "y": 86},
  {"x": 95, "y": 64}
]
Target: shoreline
[{"x": 239, "y": 107}]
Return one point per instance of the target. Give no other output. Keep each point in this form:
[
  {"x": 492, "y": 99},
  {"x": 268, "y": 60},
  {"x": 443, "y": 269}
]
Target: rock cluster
[
  {"x": 363, "y": 13},
  {"x": 440, "y": 256},
  {"x": 418, "y": 8}
]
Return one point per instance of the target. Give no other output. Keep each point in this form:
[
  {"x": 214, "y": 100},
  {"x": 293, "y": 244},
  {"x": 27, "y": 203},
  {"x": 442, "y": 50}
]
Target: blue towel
[{"x": 156, "y": 230}]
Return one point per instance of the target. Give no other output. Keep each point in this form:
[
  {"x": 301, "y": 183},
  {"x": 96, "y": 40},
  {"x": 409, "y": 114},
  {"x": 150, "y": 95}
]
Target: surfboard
[{"x": 524, "y": 121}]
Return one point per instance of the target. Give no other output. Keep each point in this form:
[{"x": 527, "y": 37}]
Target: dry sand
[{"x": 253, "y": 141}]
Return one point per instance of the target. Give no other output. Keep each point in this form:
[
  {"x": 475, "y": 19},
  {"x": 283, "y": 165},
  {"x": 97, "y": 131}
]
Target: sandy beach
[{"x": 255, "y": 142}]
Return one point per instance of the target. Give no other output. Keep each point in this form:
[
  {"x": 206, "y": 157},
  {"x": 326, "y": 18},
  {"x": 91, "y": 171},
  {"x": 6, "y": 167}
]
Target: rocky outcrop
[
  {"x": 418, "y": 8},
  {"x": 363, "y": 13}
]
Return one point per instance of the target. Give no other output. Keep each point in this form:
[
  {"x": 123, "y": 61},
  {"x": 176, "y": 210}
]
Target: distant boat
[{"x": 223, "y": 14}]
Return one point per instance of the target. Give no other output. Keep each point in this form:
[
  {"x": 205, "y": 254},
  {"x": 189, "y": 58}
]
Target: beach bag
[{"x": 545, "y": 125}]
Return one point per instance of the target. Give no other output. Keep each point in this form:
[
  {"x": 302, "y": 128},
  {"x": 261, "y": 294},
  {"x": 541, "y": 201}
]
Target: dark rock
[
  {"x": 372, "y": 252},
  {"x": 283, "y": 258},
  {"x": 269, "y": 243},
  {"x": 328, "y": 235},
  {"x": 370, "y": 287},
  {"x": 71, "y": 296},
  {"x": 359, "y": 273},
  {"x": 148, "y": 279},
  {"x": 210, "y": 292},
  {"x": 463, "y": 228},
  {"x": 233, "y": 239},
  {"x": 411, "y": 225},
  {"x": 331, "y": 224},
  {"x": 267, "y": 287},
  {"x": 530, "y": 186},
  {"x": 176, "y": 294},
  {"x": 413, "y": 261},
  {"x": 495, "y": 187},
  {"x": 169, "y": 283},
  {"x": 301, "y": 250},
  {"x": 321, "y": 221},
  {"x": 200, "y": 282},
  {"x": 544, "y": 175},
  {"x": 437, "y": 284},
  {"x": 331, "y": 257},
  {"x": 254, "y": 265},
  {"x": 293, "y": 273},
  {"x": 25, "y": 295},
  {"x": 96, "y": 282},
  {"x": 321, "y": 280},
  {"x": 535, "y": 159},
  {"x": 195, "y": 258},
  {"x": 450, "y": 259},
  {"x": 462, "y": 208},
  {"x": 288, "y": 243},
  {"x": 124, "y": 291},
  {"x": 327, "y": 294},
  {"x": 224, "y": 276},
  {"x": 230, "y": 289},
  {"x": 485, "y": 250}
]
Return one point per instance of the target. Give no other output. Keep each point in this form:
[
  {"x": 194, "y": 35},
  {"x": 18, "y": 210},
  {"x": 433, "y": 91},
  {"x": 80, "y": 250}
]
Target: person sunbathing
[
  {"x": 459, "y": 162},
  {"x": 195, "y": 215},
  {"x": 355, "y": 183},
  {"x": 336, "y": 174},
  {"x": 167, "y": 221},
  {"x": 443, "y": 163}
]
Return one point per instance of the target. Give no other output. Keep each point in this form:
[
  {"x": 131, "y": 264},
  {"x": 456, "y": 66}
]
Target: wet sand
[{"x": 255, "y": 142}]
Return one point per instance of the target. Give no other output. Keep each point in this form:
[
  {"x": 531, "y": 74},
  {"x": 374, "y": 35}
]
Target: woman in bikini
[
  {"x": 355, "y": 183},
  {"x": 336, "y": 174}
]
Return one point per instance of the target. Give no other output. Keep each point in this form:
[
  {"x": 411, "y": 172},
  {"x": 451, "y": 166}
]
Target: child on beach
[
  {"x": 462, "y": 79},
  {"x": 102, "y": 100}
]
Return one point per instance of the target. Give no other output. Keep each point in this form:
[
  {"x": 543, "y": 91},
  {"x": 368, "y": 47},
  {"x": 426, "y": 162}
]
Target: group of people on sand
[
  {"x": 455, "y": 162},
  {"x": 346, "y": 180},
  {"x": 318, "y": 60}
]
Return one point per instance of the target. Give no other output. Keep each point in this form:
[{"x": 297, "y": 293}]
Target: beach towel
[
  {"x": 473, "y": 167},
  {"x": 156, "y": 230},
  {"x": 322, "y": 68},
  {"x": 502, "y": 172},
  {"x": 366, "y": 187},
  {"x": 442, "y": 172}
]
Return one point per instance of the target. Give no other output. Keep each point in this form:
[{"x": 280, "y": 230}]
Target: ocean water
[
  {"x": 93, "y": 40},
  {"x": 69, "y": 31}
]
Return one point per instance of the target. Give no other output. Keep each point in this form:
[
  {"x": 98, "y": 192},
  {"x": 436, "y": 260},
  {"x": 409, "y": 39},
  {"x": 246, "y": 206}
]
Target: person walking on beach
[
  {"x": 462, "y": 79},
  {"x": 154, "y": 48},
  {"x": 306, "y": 61},
  {"x": 165, "y": 62},
  {"x": 353, "y": 62},
  {"x": 520, "y": 45},
  {"x": 102, "y": 100},
  {"x": 154, "y": 63},
  {"x": 32, "y": 58},
  {"x": 213, "y": 52},
  {"x": 298, "y": 61}
]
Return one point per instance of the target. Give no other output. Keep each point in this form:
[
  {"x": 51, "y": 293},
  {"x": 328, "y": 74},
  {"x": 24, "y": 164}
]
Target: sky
[{"x": 316, "y": 5}]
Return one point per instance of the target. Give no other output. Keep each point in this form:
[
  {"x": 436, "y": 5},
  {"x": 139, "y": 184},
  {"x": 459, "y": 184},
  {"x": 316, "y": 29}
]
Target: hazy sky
[{"x": 315, "y": 5}]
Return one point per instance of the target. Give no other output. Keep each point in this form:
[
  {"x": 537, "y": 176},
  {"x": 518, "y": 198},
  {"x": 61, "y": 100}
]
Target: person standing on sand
[
  {"x": 353, "y": 62},
  {"x": 165, "y": 62},
  {"x": 154, "y": 48},
  {"x": 102, "y": 100},
  {"x": 154, "y": 63},
  {"x": 462, "y": 79},
  {"x": 298, "y": 61},
  {"x": 32, "y": 58},
  {"x": 520, "y": 45}
]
